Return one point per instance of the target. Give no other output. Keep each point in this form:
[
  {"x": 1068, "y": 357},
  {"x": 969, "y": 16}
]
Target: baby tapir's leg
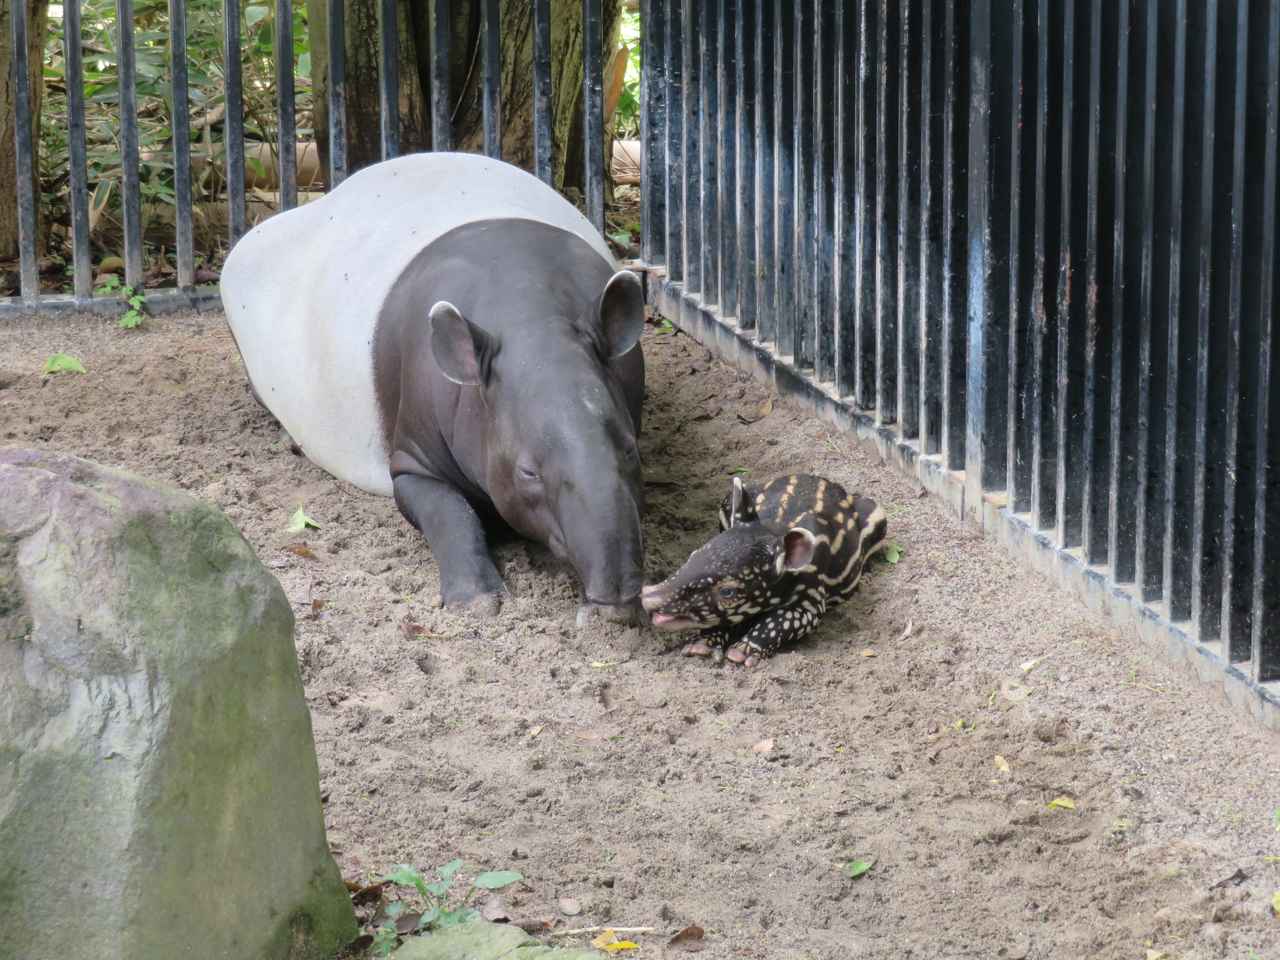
[
  {"x": 776, "y": 629},
  {"x": 711, "y": 643}
]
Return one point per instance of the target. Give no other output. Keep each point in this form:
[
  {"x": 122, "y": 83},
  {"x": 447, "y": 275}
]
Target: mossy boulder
[
  {"x": 486, "y": 941},
  {"x": 159, "y": 794}
]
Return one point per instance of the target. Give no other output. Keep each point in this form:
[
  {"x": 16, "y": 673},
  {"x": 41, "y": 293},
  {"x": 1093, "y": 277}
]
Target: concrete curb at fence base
[{"x": 1066, "y": 567}]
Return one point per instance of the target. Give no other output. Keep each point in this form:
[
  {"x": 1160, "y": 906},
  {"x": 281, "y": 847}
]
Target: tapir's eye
[{"x": 526, "y": 472}]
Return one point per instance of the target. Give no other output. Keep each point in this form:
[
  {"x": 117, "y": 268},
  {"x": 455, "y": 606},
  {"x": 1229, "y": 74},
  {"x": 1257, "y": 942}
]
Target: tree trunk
[
  {"x": 466, "y": 80},
  {"x": 37, "y": 26}
]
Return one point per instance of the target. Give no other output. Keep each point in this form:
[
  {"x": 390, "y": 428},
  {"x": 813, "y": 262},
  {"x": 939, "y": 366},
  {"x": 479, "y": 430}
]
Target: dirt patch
[{"x": 608, "y": 769}]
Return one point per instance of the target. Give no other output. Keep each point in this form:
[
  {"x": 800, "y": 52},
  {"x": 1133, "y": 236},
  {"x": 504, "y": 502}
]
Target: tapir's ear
[
  {"x": 797, "y": 549},
  {"x": 461, "y": 349},
  {"x": 622, "y": 313}
]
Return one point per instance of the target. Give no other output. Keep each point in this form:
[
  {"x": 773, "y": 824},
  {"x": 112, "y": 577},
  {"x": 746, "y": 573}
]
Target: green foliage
[
  {"x": 892, "y": 552},
  {"x": 626, "y": 117},
  {"x": 63, "y": 363},
  {"x": 438, "y": 908},
  {"x": 133, "y": 316}
]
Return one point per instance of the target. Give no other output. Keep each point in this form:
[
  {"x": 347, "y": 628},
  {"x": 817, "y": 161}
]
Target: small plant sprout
[{"x": 133, "y": 316}]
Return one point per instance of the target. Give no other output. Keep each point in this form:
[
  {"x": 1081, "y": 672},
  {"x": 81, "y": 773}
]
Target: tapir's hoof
[
  {"x": 481, "y": 606},
  {"x": 589, "y": 613}
]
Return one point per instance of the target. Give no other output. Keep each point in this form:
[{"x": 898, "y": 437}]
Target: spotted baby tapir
[{"x": 786, "y": 552}]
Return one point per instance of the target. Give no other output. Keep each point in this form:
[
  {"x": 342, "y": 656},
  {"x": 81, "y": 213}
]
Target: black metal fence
[
  {"x": 442, "y": 106},
  {"x": 1030, "y": 245}
]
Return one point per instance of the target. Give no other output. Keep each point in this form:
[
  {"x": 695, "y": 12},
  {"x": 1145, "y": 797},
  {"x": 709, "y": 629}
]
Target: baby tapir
[{"x": 786, "y": 552}]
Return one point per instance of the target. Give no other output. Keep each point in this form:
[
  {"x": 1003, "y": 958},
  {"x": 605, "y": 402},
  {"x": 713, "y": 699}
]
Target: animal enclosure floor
[{"x": 660, "y": 791}]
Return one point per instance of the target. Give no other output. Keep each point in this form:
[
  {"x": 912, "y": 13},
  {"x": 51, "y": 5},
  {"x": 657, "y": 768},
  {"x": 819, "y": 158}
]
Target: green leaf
[
  {"x": 496, "y": 879},
  {"x": 437, "y": 888},
  {"x": 403, "y": 875},
  {"x": 450, "y": 869},
  {"x": 739, "y": 472},
  {"x": 63, "y": 363},
  {"x": 304, "y": 64},
  {"x": 892, "y": 553},
  {"x": 621, "y": 238},
  {"x": 429, "y": 916},
  {"x": 130, "y": 320},
  {"x": 297, "y": 523},
  {"x": 856, "y": 868}
]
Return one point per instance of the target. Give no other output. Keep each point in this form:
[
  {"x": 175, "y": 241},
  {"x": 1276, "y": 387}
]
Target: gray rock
[
  {"x": 487, "y": 941},
  {"x": 159, "y": 792}
]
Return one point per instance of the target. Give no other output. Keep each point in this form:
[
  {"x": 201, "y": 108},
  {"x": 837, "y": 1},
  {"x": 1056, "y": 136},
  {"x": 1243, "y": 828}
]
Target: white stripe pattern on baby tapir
[{"x": 303, "y": 290}]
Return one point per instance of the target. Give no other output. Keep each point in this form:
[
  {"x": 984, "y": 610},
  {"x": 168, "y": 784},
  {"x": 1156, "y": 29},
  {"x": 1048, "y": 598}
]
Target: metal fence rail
[
  {"x": 187, "y": 292},
  {"x": 1030, "y": 246}
]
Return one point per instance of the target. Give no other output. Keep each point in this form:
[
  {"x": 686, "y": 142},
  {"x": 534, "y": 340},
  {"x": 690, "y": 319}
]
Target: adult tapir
[{"x": 447, "y": 329}]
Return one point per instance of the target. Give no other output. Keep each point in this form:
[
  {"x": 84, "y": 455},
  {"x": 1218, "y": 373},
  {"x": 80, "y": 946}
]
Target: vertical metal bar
[
  {"x": 234, "y": 144},
  {"x": 710, "y": 154},
  {"x": 132, "y": 195},
  {"x": 1022, "y": 210},
  {"x": 986, "y": 386},
  {"x": 691, "y": 24},
  {"x": 1212, "y": 279},
  {"x": 1069, "y": 357},
  {"x": 864, "y": 189},
  {"x": 79, "y": 199},
  {"x": 389, "y": 78},
  {"x": 931, "y": 77},
  {"x": 842, "y": 224},
  {"x": 1094, "y": 465},
  {"x": 1176, "y": 573},
  {"x": 1131, "y": 146},
  {"x": 337, "y": 93},
  {"x": 593, "y": 111},
  {"x": 668, "y": 49},
  {"x": 656, "y": 175},
  {"x": 886, "y": 234},
  {"x": 907, "y": 401},
  {"x": 823, "y": 250},
  {"x": 727, "y": 186},
  {"x": 1253, "y": 66},
  {"x": 542, "y": 132},
  {"x": 1148, "y": 520},
  {"x": 1043, "y": 500},
  {"x": 954, "y": 214},
  {"x": 29, "y": 271},
  {"x": 744, "y": 70},
  {"x": 785, "y": 170},
  {"x": 804, "y": 251},
  {"x": 441, "y": 95},
  {"x": 286, "y": 122},
  {"x": 1264, "y": 655},
  {"x": 766, "y": 284},
  {"x": 491, "y": 24}
]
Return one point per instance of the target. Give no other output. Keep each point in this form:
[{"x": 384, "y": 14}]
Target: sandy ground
[{"x": 660, "y": 791}]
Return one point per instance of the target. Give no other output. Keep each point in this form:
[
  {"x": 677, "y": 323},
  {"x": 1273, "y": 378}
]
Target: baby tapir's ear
[
  {"x": 621, "y": 313},
  {"x": 462, "y": 350},
  {"x": 797, "y": 549},
  {"x": 735, "y": 501}
]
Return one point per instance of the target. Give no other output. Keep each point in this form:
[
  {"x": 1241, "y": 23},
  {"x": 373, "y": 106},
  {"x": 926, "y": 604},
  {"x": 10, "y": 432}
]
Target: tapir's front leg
[{"x": 469, "y": 582}]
